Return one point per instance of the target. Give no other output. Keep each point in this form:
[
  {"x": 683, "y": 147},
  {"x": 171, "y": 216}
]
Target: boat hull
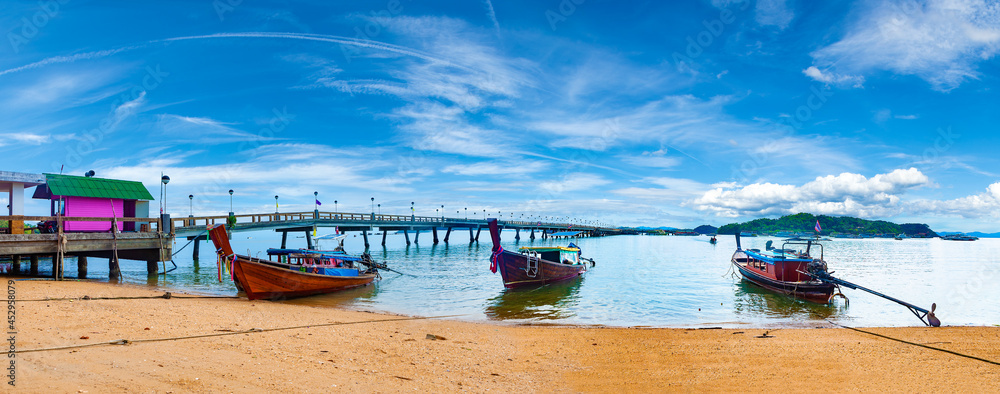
[
  {"x": 260, "y": 280},
  {"x": 810, "y": 291},
  {"x": 513, "y": 268}
]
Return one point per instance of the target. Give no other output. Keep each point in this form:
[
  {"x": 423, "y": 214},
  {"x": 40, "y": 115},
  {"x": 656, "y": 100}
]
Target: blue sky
[{"x": 631, "y": 113}]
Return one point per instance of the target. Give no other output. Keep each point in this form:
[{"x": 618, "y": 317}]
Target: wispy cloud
[
  {"x": 940, "y": 41},
  {"x": 774, "y": 13}
]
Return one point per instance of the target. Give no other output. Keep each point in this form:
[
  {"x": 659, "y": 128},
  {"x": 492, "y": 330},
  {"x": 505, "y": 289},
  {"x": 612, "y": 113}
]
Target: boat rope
[
  {"x": 917, "y": 344},
  {"x": 189, "y": 242},
  {"x": 494, "y": 257},
  {"x": 221, "y": 334},
  {"x": 166, "y": 295}
]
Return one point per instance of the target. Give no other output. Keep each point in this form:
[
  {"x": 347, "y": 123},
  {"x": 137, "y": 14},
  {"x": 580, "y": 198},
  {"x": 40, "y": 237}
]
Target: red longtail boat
[
  {"x": 313, "y": 273},
  {"x": 785, "y": 271},
  {"x": 534, "y": 266}
]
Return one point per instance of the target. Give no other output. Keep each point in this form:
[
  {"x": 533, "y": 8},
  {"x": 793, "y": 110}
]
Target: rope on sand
[
  {"x": 250, "y": 331},
  {"x": 166, "y": 295},
  {"x": 917, "y": 344}
]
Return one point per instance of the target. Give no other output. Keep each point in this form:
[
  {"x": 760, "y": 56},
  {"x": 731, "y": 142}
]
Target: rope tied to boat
[{"x": 494, "y": 257}]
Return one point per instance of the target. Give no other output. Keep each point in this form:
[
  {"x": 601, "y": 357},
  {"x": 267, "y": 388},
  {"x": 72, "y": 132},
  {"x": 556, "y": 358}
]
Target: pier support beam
[
  {"x": 197, "y": 249},
  {"x": 416, "y": 238},
  {"x": 152, "y": 267},
  {"x": 447, "y": 234},
  {"x": 15, "y": 265},
  {"x": 34, "y": 265},
  {"x": 384, "y": 233},
  {"x": 406, "y": 234},
  {"x": 114, "y": 270},
  {"x": 434, "y": 230},
  {"x": 517, "y": 234},
  {"x": 364, "y": 234},
  {"x": 56, "y": 267},
  {"x": 309, "y": 240},
  {"x": 478, "y": 229},
  {"x": 471, "y": 239},
  {"x": 81, "y": 267},
  {"x": 284, "y": 239},
  {"x": 532, "y": 237}
]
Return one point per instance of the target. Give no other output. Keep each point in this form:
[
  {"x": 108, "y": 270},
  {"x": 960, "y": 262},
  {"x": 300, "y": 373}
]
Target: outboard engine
[
  {"x": 770, "y": 245},
  {"x": 817, "y": 268}
]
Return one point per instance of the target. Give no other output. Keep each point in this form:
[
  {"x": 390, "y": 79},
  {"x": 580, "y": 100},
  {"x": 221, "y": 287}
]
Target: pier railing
[{"x": 14, "y": 221}]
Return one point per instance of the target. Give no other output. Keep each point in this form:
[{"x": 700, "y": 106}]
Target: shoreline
[{"x": 389, "y": 353}]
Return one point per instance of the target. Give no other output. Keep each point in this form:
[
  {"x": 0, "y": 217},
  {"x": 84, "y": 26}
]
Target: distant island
[{"x": 806, "y": 223}]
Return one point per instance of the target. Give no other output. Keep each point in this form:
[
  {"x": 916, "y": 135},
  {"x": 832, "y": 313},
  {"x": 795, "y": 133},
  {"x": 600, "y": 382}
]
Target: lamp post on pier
[
  {"x": 275, "y": 204},
  {"x": 413, "y": 213},
  {"x": 466, "y": 213},
  {"x": 230, "y": 202},
  {"x": 191, "y": 208},
  {"x": 442, "y": 212},
  {"x": 373, "y": 208}
]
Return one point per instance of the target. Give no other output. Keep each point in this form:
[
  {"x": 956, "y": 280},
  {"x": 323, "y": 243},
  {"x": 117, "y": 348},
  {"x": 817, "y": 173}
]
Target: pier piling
[
  {"x": 416, "y": 238},
  {"x": 309, "y": 240},
  {"x": 478, "y": 229},
  {"x": 384, "y": 233},
  {"x": 114, "y": 269},
  {"x": 434, "y": 230},
  {"x": 364, "y": 234},
  {"x": 284, "y": 239},
  {"x": 81, "y": 267},
  {"x": 152, "y": 267},
  {"x": 34, "y": 265},
  {"x": 15, "y": 265},
  {"x": 517, "y": 234},
  {"x": 532, "y": 237},
  {"x": 471, "y": 238},
  {"x": 197, "y": 249},
  {"x": 406, "y": 234},
  {"x": 447, "y": 234}
]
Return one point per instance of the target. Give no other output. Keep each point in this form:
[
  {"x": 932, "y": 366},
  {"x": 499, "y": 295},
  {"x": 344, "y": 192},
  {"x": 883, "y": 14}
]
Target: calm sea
[{"x": 658, "y": 281}]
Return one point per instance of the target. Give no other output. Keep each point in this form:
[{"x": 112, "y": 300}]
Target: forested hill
[{"x": 805, "y": 222}]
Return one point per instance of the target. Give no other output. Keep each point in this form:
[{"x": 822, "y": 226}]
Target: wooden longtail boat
[
  {"x": 784, "y": 270},
  {"x": 534, "y": 266},
  {"x": 305, "y": 273}
]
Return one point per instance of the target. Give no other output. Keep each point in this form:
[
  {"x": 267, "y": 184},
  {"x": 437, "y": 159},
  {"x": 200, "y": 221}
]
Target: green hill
[{"x": 805, "y": 222}]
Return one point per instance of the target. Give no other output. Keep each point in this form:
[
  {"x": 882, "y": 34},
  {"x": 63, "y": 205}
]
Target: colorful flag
[
  {"x": 318, "y": 203},
  {"x": 818, "y": 228}
]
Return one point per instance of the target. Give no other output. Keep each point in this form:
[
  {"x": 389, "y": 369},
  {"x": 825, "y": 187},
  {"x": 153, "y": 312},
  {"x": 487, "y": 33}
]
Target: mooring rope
[
  {"x": 917, "y": 344},
  {"x": 250, "y": 331},
  {"x": 166, "y": 295}
]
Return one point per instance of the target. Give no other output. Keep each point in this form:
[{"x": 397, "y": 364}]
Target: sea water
[{"x": 656, "y": 281}]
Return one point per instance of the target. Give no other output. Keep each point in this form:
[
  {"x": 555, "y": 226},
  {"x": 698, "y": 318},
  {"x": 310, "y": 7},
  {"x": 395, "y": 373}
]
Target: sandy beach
[{"x": 400, "y": 355}]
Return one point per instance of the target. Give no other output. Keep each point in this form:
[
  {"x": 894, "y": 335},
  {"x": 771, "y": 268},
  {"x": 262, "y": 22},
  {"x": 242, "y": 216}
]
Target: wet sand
[{"x": 395, "y": 356}]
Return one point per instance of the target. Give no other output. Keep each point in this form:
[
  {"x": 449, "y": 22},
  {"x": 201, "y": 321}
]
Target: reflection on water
[
  {"x": 754, "y": 301},
  {"x": 554, "y": 301}
]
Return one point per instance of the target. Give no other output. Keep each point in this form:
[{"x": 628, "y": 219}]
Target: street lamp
[
  {"x": 379, "y": 209},
  {"x": 316, "y": 202},
  {"x": 230, "y": 201},
  {"x": 275, "y": 204},
  {"x": 442, "y": 212},
  {"x": 191, "y": 208},
  {"x": 413, "y": 213},
  {"x": 373, "y": 208},
  {"x": 466, "y": 213},
  {"x": 165, "y": 179}
]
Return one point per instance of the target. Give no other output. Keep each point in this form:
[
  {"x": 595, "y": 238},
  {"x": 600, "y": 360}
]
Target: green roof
[{"x": 78, "y": 186}]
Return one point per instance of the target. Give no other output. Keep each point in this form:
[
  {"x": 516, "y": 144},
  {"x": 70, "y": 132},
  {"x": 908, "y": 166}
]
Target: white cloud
[
  {"x": 844, "y": 194},
  {"x": 982, "y": 205},
  {"x": 573, "y": 182},
  {"x": 774, "y": 13},
  {"x": 831, "y": 78},
  {"x": 520, "y": 168},
  {"x": 940, "y": 41}
]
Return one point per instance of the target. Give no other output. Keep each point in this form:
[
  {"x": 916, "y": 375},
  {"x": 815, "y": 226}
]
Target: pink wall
[{"x": 93, "y": 207}]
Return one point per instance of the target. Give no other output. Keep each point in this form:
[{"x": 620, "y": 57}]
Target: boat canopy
[{"x": 549, "y": 249}]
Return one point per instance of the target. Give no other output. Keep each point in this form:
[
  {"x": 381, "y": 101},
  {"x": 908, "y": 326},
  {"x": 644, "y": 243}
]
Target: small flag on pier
[{"x": 318, "y": 203}]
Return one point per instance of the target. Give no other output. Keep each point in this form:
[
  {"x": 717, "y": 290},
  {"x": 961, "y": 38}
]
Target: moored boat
[
  {"x": 533, "y": 266},
  {"x": 300, "y": 273},
  {"x": 959, "y": 237},
  {"x": 784, "y": 270}
]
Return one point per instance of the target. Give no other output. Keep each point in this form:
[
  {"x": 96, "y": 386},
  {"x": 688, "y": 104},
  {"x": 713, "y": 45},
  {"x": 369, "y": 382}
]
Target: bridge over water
[{"x": 195, "y": 228}]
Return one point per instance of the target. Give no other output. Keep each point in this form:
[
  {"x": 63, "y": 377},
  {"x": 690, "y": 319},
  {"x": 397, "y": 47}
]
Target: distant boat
[
  {"x": 959, "y": 237},
  {"x": 748, "y": 234},
  {"x": 901, "y": 237},
  {"x": 784, "y": 271},
  {"x": 535, "y": 266},
  {"x": 713, "y": 240},
  {"x": 302, "y": 273}
]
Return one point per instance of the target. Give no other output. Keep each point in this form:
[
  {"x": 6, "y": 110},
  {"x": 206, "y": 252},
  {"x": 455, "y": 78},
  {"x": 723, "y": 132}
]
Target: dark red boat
[
  {"x": 313, "y": 274},
  {"x": 534, "y": 266},
  {"x": 785, "y": 270}
]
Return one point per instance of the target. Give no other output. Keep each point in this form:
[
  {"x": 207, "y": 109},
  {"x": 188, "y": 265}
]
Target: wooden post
[
  {"x": 447, "y": 234},
  {"x": 197, "y": 249},
  {"x": 309, "y": 240},
  {"x": 532, "y": 234},
  {"x": 284, "y": 239},
  {"x": 152, "y": 267},
  {"x": 407, "y": 235},
  {"x": 34, "y": 265},
  {"x": 434, "y": 230},
  {"x": 383, "y": 237},
  {"x": 471, "y": 238},
  {"x": 81, "y": 267},
  {"x": 364, "y": 234},
  {"x": 416, "y": 238},
  {"x": 517, "y": 234},
  {"x": 15, "y": 265},
  {"x": 114, "y": 270},
  {"x": 56, "y": 266},
  {"x": 478, "y": 229}
]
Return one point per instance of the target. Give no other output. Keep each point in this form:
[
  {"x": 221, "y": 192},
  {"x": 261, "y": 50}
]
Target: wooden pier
[{"x": 147, "y": 244}]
